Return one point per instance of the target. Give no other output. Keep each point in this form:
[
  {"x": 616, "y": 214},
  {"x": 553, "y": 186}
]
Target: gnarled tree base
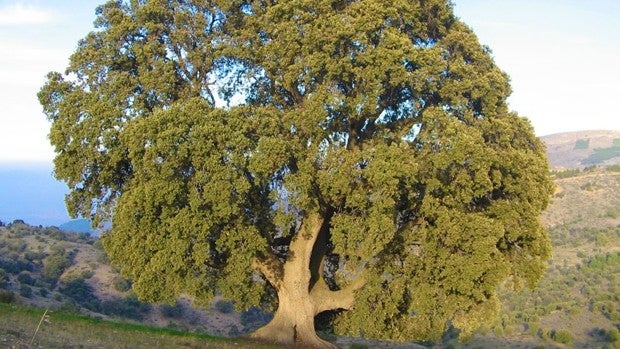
[{"x": 291, "y": 332}]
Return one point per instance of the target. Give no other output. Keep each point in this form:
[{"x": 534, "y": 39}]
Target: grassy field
[{"x": 62, "y": 330}]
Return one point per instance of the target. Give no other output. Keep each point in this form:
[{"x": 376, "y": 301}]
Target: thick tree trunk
[
  {"x": 302, "y": 292},
  {"x": 292, "y": 324}
]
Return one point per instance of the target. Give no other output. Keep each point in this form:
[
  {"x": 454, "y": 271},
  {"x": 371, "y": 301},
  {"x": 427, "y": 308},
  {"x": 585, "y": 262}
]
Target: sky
[{"x": 563, "y": 57}]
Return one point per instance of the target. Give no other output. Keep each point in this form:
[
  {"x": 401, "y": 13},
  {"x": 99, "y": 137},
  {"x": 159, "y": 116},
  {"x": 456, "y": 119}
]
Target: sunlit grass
[{"x": 63, "y": 330}]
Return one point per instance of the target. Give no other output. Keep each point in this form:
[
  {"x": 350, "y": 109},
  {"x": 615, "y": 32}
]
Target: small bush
[
  {"x": 56, "y": 264},
  {"x": 7, "y": 297},
  {"x": 3, "y": 277},
  {"x": 25, "y": 278},
  {"x": 545, "y": 333},
  {"x": 121, "y": 284},
  {"x": 173, "y": 311},
  {"x": 612, "y": 335},
  {"x": 532, "y": 328},
  {"x": 25, "y": 291},
  {"x": 254, "y": 318},
  {"x": 224, "y": 306},
  {"x": 563, "y": 336},
  {"x": 129, "y": 307},
  {"x": 35, "y": 256},
  {"x": 80, "y": 292}
]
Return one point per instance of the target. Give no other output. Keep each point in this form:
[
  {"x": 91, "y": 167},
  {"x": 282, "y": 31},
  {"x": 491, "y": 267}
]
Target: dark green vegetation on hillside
[
  {"x": 39, "y": 264},
  {"x": 49, "y": 268},
  {"x": 367, "y": 164}
]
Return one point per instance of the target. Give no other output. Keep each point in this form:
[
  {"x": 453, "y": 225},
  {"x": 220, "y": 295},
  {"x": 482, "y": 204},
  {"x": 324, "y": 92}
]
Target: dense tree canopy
[{"x": 315, "y": 155}]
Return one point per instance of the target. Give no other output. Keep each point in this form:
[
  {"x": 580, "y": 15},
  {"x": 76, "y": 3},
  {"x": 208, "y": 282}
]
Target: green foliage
[
  {"x": 254, "y": 318},
  {"x": 80, "y": 292},
  {"x": 582, "y": 144},
  {"x": 224, "y": 306},
  {"x": 7, "y": 297},
  {"x": 3, "y": 277},
  {"x": 173, "y": 311},
  {"x": 566, "y": 173},
  {"x": 25, "y": 278},
  {"x": 387, "y": 124},
  {"x": 35, "y": 256},
  {"x": 613, "y": 335},
  {"x": 563, "y": 336},
  {"x": 25, "y": 291},
  {"x": 55, "y": 264},
  {"x": 129, "y": 307},
  {"x": 121, "y": 284}
]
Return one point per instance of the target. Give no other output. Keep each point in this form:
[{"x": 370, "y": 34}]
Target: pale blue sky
[{"x": 563, "y": 57}]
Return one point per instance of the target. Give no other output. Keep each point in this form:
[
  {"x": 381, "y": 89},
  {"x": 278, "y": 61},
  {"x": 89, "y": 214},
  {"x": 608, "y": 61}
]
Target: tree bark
[
  {"x": 299, "y": 298},
  {"x": 292, "y": 324}
]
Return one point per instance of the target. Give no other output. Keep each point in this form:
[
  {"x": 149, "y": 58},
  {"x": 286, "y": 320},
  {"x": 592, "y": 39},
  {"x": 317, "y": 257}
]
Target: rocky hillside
[{"x": 582, "y": 149}]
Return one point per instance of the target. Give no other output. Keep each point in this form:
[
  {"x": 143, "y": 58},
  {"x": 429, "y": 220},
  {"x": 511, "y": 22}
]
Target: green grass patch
[{"x": 65, "y": 330}]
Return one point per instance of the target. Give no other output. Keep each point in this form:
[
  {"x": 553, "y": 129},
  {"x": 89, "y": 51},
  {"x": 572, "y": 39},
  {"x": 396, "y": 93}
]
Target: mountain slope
[{"x": 583, "y": 148}]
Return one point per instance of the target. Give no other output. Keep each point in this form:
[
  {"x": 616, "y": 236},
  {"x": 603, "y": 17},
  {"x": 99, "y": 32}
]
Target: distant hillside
[
  {"x": 583, "y": 148},
  {"x": 78, "y": 226}
]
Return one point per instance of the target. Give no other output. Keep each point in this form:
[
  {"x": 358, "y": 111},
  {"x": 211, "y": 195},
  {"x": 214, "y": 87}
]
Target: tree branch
[
  {"x": 271, "y": 268},
  {"x": 324, "y": 299}
]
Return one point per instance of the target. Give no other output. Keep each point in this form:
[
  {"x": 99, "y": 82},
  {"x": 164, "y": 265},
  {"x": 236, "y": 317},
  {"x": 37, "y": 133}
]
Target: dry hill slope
[{"x": 583, "y": 148}]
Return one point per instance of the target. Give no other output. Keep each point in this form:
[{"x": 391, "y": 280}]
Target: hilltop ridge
[{"x": 583, "y": 148}]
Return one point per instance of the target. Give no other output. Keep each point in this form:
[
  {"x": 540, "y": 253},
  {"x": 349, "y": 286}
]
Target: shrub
[
  {"x": 224, "y": 306},
  {"x": 129, "y": 307},
  {"x": 17, "y": 246},
  {"x": 173, "y": 311},
  {"x": 254, "y": 318},
  {"x": 7, "y": 297},
  {"x": 532, "y": 328},
  {"x": 56, "y": 264},
  {"x": 121, "y": 284},
  {"x": 545, "y": 333},
  {"x": 566, "y": 173},
  {"x": 563, "y": 336},
  {"x": 35, "y": 256},
  {"x": 80, "y": 292},
  {"x": 25, "y": 291},
  {"x": 3, "y": 277},
  {"x": 25, "y": 278},
  {"x": 612, "y": 335}
]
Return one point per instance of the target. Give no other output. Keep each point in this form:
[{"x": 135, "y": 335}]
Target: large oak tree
[{"x": 353, "y": 157}]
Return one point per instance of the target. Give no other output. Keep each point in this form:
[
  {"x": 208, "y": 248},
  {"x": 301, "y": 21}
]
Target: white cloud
[{"x": 18, "y": 14}]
